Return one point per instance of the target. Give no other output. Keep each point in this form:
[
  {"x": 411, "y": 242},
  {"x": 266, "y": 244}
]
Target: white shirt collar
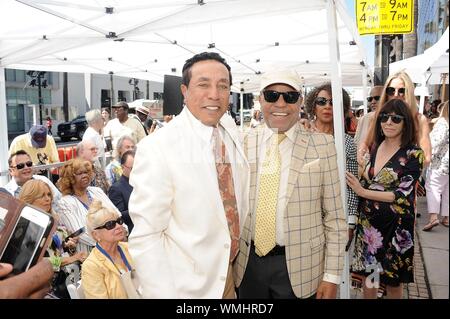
[
  {"x": 205, "y": 132},
  {"x": 290, "y": 134}
]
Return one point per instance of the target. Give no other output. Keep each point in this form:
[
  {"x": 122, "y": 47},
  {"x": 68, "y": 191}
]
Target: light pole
[
  {"x": 134, "y": 82},
  {"x": 36, "y": 77}
]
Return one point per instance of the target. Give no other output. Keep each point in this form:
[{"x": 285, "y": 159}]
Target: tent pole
[
  {"x": 338, "y": 113},
  {"x": 87, "y": 90},
  {"x": 422, "y": 96},
  {"x": 241, "y": 106},
  {"x": 3, "y": 130},
  {"x": 364, "y": 92}
]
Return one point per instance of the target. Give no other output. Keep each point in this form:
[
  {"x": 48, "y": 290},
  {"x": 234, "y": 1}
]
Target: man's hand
[
  {"x": 5, "y": 269},
  {"x": 34, "y": 283},
  {"x": 326, "y": 290}
]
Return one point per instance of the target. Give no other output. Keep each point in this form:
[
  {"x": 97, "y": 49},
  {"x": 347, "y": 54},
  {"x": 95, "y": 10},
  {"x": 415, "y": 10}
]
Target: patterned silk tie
[
  {"x": 226, "y": 187},
  {"x": 266, "y": 211}
]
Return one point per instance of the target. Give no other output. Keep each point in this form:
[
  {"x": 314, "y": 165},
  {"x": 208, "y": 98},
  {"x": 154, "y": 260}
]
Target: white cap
[{"x": 285, "y": 77}]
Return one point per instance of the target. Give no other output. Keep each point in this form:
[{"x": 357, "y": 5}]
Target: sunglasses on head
[
  {"x": 391, "y": 91},
  {"x": 289, "y": 97},
  {"x": 111, "y": 224},
  {"x": 370, "y": 98},
  {"x": 394, "y": 118},
  {"x": 22, "y": 165},
  {"x": 321, "y": 101}
]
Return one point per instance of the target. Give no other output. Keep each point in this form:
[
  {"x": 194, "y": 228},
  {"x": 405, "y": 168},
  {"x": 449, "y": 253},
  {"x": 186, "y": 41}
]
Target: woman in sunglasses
[
  {"x": 319, "y": 107},
  {"x": 400, "y": 86},
  {"x": 107, "y": 263},
  {"x": 74, "y": 183},
  {"x": 384, "y": 246}
]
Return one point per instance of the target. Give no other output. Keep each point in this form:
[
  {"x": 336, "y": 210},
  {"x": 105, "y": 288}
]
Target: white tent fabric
[
  {"x": 147, "y": 39},
  {"x": 428, "y": 67}
]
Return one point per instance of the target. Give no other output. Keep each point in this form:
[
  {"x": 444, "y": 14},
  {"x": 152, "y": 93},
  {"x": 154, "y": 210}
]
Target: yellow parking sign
[{"x": 385, "y": 16}]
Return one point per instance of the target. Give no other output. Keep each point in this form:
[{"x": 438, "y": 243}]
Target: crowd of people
[{"x": 199, "y": 209}]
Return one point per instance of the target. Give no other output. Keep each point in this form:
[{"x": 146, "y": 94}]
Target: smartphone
[
  {"x": 75, "y": 234},
  {"x": 27, "y": 240}
]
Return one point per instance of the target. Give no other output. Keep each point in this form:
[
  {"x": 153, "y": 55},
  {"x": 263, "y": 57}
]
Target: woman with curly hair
[
  {"x": 384, "y": 246},
  {"x": 75, "y": 178},
  {"x": 319, "y": 107}
]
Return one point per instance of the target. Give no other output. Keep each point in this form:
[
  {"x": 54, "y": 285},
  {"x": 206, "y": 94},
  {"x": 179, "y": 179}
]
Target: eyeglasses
[
  {"x": 394, "y": 118},
  {"x": 111, "y": 224},
  {"x": 370, "y": 98},
  {"x": 321, "y": 101},
  {"x": 289, "y": 97},
  {"x": 391, "y": 91},
  {"x": 22, "y": 165}
]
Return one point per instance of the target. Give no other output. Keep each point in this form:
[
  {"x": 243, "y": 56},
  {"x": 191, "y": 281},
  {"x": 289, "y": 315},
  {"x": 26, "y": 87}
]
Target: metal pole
[
  {"x": 39, "y": 74},
  {"x": 338, "y": 114},
  {"x": 3, "y": 130}
]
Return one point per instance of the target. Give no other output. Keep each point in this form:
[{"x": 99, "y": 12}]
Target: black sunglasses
[
  {"x": 394, "y": 118},
  {"x": 391, "y": 91},
  {"x": 111, "y": 224},
  {"x": 22, "y": 165},
  {"x": 321, "y": 101},
  {"x": 289, "y": 97},
  {"x": 370, "y": 98}
]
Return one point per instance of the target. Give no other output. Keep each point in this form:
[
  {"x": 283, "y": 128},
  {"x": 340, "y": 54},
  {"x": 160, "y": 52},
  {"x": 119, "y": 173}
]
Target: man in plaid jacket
[{"x": 310, "y": 228}]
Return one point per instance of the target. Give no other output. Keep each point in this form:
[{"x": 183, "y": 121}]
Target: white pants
[{"x": 437, "y": 193}]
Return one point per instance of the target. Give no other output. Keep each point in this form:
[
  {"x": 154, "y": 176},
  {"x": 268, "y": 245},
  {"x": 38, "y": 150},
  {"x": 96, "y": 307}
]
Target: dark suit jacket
[{"x": 119, "y": 193}]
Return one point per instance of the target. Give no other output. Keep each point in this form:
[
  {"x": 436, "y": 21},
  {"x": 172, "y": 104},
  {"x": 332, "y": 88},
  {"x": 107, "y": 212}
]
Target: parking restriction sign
[{"x": 385, "y": 16}]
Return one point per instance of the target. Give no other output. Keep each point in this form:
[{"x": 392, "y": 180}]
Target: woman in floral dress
[{"x": 384, "y": 246}]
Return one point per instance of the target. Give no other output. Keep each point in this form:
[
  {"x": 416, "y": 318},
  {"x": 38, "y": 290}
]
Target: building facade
[{"x": 84, "y": 93}]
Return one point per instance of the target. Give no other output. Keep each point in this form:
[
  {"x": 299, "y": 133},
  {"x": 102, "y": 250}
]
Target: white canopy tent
[
  {"x": 147, "y": 39},
  {"x": 427, "y": 68}
]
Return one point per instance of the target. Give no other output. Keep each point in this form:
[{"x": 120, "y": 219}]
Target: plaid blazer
[{"x": 315, "y": 227}]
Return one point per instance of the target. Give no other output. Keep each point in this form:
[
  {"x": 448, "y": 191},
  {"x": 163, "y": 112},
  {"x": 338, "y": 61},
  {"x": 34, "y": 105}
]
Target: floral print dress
[{"x": 385, "y": 231}]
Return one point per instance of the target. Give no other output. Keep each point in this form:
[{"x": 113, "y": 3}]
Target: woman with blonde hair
[
  {"x": 110, "y": 260},
  {"x": 61, "y": 252},
  {"x": 400, "y": 86},
  {"x": 437, "y": 178},
  {"x": 75, "y": 178}
]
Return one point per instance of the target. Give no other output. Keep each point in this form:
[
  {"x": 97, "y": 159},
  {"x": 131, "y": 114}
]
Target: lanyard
[{"x": 122, "y": 255}]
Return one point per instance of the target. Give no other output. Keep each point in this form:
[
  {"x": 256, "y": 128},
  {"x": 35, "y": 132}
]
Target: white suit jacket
[{"x": 181, "y": 242}]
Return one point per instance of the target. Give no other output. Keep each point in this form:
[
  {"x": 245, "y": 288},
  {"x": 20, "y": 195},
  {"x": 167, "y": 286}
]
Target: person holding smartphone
[
  {"x": 60, "y": 251},
  {"x": 34, "y": 283}
]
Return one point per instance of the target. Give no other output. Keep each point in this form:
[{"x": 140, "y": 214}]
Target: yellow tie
[{"x": 266, "y": 211}]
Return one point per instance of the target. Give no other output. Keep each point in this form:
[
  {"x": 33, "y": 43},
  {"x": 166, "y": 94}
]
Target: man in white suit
[{"x": 183, "y": 243}]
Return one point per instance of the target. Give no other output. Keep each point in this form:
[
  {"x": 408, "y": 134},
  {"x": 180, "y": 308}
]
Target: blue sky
[{"x": 367, "y": 40}]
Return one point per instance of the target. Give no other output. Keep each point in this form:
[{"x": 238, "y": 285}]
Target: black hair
[
  {"x": 125, "y": 156},
  {"x": 19, "y": 152},
  {"x": 398, "y": 107},
  {"x": 204, "y": 56},
  {"x": 312, "y": 95}
]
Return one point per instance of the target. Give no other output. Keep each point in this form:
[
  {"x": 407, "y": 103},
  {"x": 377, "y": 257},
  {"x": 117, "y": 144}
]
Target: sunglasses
[
  {"x": 394, "y": 118},
  {"x": 391, "y": 91},
  {"x": 370, "y": 98},
  {"x": 111, "y": 224},
  {"x": 321, "y": 101},
  {"x": 289, "y": 97},
  {"x": 22, "y": 165}
]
